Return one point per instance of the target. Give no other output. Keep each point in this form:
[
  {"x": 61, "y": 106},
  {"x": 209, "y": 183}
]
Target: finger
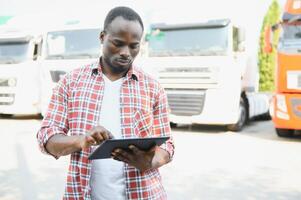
[
  {"x": 109, "y": 134},
  {"x": 90, "y": 140},
  {"x": 97, "y": 137},
  {"x": 106, "y": 133},
  {"x": 116, "y": 158},
  {"x": 120, "y": 151},
  {"x": 134, "y": 149},
  {"x": 123, "y": 154},
  {"x": 120, "y": 157},
  {"x": 113, "y": 155},
  {"x": 153, "y": 148}
]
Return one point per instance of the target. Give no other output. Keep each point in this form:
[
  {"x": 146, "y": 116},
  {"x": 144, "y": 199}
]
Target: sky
[
  {"x": 247, "y": 11},
  {"x": 185, "y": 7},
  {"x": 250, "y": 13}
]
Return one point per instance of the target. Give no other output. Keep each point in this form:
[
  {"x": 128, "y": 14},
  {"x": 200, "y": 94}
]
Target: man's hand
[
  {"x": 142, "y": 160},
  {"x": 60, "y": 145},
  {"x": 95, "y": 136}
]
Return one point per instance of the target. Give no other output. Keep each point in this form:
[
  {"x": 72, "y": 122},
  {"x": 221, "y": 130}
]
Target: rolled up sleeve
[
  {"x": 161, "y": 125},
  {"x": 55, "y": 120}
]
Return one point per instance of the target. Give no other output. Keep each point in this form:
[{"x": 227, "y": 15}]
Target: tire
[
  {"x": 173, "y": 125},
  {"x": 243, "y": 117},
  {"x": 6, "y": 116},
  {"x": 285, "y": 132},
  {"x": 264, "y": 117}
]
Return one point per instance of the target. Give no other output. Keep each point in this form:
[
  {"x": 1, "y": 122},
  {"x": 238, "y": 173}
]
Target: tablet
[{"x": 105, "y": 148}]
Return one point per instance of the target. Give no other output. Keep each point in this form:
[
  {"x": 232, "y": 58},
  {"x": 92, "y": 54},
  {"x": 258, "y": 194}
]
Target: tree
[{"x": 267, "y": 61}]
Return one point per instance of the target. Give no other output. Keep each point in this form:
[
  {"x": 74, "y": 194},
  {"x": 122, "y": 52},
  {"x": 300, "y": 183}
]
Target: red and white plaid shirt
[{"x": 75, "y": 108}]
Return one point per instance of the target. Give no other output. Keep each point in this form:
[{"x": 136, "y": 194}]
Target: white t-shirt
[{"x": 107, "y": 175}]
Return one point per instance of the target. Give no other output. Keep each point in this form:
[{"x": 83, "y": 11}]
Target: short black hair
[{"x": 124, "y": 12}]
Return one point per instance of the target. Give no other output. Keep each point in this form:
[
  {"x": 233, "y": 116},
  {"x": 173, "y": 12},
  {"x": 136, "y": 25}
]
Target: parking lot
[{"x": 210, "y": 163}]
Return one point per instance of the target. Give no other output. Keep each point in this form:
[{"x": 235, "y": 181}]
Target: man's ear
[{"x": 101, "y": 36}]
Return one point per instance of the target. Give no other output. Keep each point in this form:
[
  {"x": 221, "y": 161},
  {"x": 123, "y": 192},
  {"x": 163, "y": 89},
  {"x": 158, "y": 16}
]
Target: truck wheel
[
  {"x": 284, "y": 132},
  {"x": 173, "y": 125},
  {"x": 242, "y": 118},
  {"x": 264, "y": 117},
  {"x": 6, "y": 116}
]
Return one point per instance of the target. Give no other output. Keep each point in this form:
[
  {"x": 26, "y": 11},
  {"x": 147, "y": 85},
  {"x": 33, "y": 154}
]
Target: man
[{"x": 110, "y": 98}]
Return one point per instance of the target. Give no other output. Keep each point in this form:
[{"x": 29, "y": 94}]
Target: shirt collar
[{"x": 131, "y": 74}]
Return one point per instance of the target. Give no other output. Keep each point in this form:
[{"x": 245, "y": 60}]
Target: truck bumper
[
  {"x": 285, "y": 110},
  {"x": 17, "y": 102}
]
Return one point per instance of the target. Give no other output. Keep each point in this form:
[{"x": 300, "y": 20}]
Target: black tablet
[{"x": 104, "y": 149}]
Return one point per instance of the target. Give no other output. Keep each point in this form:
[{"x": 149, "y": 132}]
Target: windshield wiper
[
  {"x": 80, "y": 55},
  {"x": 55, "y": 57},
  {"x": 294, "y": 19},
  {"x": 8, "y": 61}
]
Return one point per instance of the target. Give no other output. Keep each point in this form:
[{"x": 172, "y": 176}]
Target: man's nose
[{"x": 125, "y": 52}]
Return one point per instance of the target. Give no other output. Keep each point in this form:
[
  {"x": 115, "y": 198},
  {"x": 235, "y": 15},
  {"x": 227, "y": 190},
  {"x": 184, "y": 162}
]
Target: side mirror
[
  {"x": 268, "y": 40},
  {"x": 241, "y": 35}
]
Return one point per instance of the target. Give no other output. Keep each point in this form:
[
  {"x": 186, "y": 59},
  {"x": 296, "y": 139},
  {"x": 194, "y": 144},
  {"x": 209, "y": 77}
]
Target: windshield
[
  {"x": 73, "y": 44},
  {"x": 13, "y": 52},
  {"x": 291, "y": 36},
  {"x": 189, "y": 42}
]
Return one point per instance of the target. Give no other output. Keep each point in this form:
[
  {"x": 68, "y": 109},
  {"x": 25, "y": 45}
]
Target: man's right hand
[
  {"x": 95, "y": 136},
  {"x": 61, "y": 145}
]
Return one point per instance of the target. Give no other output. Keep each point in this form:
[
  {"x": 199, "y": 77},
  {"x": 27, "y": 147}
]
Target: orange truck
[{"x": 285, "y": 107}]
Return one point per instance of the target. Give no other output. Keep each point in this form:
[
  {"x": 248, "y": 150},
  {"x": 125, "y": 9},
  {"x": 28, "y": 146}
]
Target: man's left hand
[{"x": 142, "y": 160}]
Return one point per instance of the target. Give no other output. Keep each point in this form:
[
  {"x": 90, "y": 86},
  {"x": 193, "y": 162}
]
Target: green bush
[{"x": 267, "y": 61}]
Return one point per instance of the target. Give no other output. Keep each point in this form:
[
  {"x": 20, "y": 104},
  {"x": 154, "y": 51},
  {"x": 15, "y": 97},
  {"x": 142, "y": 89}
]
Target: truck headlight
[
  {"x": 272, "y": 108},
  {"x": 282, "y": 115},
  {"x": 281, "y": 103},
  {"x": 12, "y": 82}
]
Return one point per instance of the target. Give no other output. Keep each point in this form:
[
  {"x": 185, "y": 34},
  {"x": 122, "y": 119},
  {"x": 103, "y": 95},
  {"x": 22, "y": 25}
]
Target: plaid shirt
[{"x": 75, "y": 108}]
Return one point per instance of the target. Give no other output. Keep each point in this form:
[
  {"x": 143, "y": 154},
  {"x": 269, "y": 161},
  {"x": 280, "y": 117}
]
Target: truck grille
[
  {"x": 7, "y": 99},
  {"x": 192, "y": 78},
  {"x": 186, "y": 102}
]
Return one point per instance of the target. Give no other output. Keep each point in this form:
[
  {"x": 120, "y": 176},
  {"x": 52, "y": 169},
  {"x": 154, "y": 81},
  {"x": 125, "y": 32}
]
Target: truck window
[
  {"x": 291, "y": 35},
  {"x": 189, "y": 42},
  {"x": 73, "y": 44},
  {"x": 13, "y": 52},
  {"x": 291, "y": 32}
]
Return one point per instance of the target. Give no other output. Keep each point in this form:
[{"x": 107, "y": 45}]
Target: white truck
[
  {"x": 19, "y": 78},
  {"x": 64, "y": 48},
  {"x": 207, "y": 73}
]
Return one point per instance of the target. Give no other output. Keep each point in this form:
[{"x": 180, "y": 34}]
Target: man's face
[{"x": 121, "y": 44}]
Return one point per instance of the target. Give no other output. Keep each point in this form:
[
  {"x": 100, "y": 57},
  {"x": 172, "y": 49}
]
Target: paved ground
[{"x": 210, "y": 163}]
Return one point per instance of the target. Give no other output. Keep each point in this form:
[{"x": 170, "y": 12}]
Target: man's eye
[
  {"x": 134, "y": 46},
  {"x": 118, "y": 44}
]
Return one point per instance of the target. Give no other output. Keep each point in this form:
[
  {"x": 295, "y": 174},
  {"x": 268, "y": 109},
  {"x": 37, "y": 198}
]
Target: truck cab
[
  {"x": 66, "y": 47},
  {"x": 19, "y": 80},
  {"x": 285, "y": 108},
  {"x": 207, "y": 72}
]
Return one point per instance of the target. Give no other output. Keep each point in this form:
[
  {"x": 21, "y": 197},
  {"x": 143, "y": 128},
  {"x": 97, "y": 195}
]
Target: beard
[{"x": 117, "y": 69}]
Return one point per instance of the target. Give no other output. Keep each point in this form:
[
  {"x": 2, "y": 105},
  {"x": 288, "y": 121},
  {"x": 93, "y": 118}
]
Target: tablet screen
[{"x": 105, "y": 149}]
